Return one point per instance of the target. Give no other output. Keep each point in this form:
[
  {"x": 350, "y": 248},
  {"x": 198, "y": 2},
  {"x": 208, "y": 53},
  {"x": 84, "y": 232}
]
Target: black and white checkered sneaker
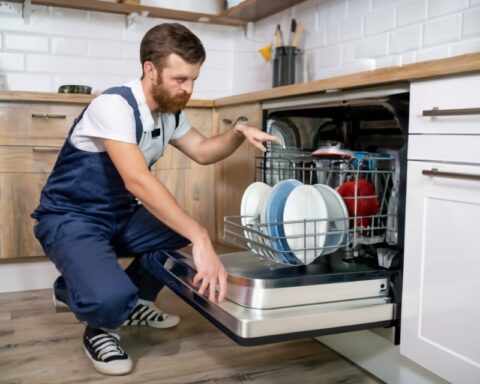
[
  {"x": 105, "y": 352},
  {"x": 147, "y": 314}
]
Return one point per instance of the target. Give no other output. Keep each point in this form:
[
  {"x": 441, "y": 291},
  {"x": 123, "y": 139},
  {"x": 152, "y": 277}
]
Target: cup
[{"x": 284, "y": 65}]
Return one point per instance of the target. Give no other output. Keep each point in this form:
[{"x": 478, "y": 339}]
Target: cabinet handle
[
  {"x": 435, "y": 112},
  {"x": 434, "y": 172},
  {"x": 46, "y": 149},
  {"x": 47, "y": 116}
]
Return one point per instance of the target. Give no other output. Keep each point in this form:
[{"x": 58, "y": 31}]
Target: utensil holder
[{"x": 284, "y": 65}]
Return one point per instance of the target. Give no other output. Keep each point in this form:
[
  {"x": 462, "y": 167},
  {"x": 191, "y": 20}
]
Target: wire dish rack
[{"x": 365, "y": 185}]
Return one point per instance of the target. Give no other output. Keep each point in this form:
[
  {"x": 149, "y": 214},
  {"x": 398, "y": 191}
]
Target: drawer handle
[
  {"x": 434, "y": 172},
  {"x": 46, "y": 149},
  {"x": 451, "y": 112},
  {"x": 47, "y": 116}
]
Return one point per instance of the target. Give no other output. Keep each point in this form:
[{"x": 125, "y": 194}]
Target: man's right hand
[{"x": 211, "y": 274}]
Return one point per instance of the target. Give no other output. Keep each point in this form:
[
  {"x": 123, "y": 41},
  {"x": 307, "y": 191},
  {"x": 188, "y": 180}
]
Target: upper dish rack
[{"x": 368, "y": 185}]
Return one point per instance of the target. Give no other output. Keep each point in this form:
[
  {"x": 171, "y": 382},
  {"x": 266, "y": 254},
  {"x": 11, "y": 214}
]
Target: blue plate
[{"x": 274, "y": 216}]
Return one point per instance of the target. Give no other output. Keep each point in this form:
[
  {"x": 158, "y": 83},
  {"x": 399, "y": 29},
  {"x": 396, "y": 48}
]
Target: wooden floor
[{"x": 40, "y": 346}]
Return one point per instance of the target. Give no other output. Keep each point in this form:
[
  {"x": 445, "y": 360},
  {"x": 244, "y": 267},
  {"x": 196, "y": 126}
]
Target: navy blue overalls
[{"x": 86, "y": 218}]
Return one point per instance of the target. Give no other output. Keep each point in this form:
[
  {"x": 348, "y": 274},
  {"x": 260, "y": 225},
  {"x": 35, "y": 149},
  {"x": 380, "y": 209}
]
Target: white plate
[
  {"x": 250, "y": 207},
  {"x": 338, "y": 218},
  {"x": 305, "y": 203}
]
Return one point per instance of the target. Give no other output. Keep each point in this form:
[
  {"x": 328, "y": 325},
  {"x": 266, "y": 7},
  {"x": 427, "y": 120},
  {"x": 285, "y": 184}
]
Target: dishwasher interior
[{"x": 317, "y": 275}]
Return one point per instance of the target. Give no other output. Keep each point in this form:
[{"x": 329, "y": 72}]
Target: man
[{"x": 89, "y": 210}]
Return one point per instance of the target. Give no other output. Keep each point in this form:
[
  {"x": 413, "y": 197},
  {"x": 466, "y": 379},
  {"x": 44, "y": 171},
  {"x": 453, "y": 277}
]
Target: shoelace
[
  {"x": 144, "y": 313},
  {"x": 106, "y": 345}
]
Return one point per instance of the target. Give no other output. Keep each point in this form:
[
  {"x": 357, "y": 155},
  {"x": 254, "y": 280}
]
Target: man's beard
[{"x": 167, "y": 103}]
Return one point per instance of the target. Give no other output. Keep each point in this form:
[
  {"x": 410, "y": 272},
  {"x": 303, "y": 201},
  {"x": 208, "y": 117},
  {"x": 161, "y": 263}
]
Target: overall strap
[{"x": 127, "y": 94}]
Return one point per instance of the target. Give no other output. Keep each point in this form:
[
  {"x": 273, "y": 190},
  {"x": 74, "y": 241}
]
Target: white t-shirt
[{"x": 111, "y": 117}]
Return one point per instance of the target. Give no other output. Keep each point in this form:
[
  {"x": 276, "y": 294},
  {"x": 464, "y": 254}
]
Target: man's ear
[{"x": 149, "y": 70}]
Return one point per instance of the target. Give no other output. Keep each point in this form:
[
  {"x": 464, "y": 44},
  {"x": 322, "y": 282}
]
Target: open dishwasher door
[{"x": 269, "y": 302}]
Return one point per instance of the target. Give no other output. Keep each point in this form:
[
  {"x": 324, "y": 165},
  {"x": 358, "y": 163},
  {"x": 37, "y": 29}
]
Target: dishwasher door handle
[
  {"x": 434, "y": 172},
  {"x": 437, "y": 112}
]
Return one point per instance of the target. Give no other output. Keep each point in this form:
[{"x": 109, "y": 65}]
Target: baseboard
[
  {"x": 379, "y": 356},
  {"x": 15, "y": 277}
]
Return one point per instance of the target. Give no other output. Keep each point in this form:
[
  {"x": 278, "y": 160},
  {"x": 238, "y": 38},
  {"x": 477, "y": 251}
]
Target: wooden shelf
[
  {"x": 253, "y": 10},
  {"x": 126, "y": 9}
]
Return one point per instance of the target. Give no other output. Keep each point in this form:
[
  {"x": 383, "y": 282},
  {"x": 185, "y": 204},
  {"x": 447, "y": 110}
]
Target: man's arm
[
  {"x": 130, "y": 163},
  {"x": 212, "y": 149}
]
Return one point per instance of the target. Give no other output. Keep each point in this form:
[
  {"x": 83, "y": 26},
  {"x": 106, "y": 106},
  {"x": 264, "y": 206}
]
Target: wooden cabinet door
[
  {"x": 234, "y": 174},
  {"x": 23, "y": 173},
  {"x": 441, "y": 288},
  {"x": 19, "y": 196}
]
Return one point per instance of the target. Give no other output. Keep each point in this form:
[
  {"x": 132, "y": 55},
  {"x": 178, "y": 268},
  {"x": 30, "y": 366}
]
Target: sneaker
[
  {"x": 147, "y": 314},
  {"x": 105, "y": 352}
]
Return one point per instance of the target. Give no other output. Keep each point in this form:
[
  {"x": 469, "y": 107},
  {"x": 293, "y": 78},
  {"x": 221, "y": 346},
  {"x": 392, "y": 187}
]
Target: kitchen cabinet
[
  {"x": 31, "y": 135},
  {"x": 234, "y": 174},
  {"x": 441, "y": 288}
]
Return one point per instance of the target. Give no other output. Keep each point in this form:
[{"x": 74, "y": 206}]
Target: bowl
[{"x": 367, "y": 203}]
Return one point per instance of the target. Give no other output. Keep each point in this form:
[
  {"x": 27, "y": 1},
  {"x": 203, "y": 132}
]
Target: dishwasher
[{"x": 332, "y": 138}]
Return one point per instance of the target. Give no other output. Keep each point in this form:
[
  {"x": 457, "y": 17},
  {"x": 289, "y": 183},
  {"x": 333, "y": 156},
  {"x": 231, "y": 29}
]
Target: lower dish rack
[{"x": 304, "y": 239}]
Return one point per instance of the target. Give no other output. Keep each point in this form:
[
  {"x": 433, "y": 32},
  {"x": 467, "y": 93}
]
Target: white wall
[
  {"x": 62, "y": 46},
  {"x": 347, "y": 36}
]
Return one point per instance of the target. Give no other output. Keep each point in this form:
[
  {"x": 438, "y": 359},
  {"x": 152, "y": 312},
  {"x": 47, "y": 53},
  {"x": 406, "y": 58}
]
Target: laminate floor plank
[{"x": 39, "y": 346}]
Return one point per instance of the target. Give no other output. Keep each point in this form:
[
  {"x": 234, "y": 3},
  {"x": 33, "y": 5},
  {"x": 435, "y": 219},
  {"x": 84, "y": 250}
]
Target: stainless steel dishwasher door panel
[{"x": 251, "y": 326}]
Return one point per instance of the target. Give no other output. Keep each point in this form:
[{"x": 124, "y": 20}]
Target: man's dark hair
[{"x": 162, "y": 40}]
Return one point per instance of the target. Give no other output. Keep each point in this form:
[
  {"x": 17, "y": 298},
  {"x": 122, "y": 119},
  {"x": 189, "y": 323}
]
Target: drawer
[
  {"x": 23, "y": 159},
  {"x": 451, "y": 148},
  {"x": 458, "y": 103},
  {"x": 36, "y": 123}
]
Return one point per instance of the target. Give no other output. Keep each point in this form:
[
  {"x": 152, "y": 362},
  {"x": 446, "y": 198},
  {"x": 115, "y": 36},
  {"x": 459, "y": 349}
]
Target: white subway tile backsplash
[
  {"x": 131, "y": 51},
  {"x": 407, "y": 39},
  {"x": 331, "y": 12},
  {"x": 433, "y": 53},
  {"x": 408, "y": 58},
  {"x": 411, "y": 12},
  {"x": 214, "y": 80},
  {"x": 351, "y": 29},
  {"x": 442, "y": 30},
  {"x": 357, "y": 8},
  {"x": 464, "y": 47},
  {"x": 224, "y": 60},
  {"x": 70, "y": 64},
  {"x": 11, "y": 61},
  {"x": 443, "y": 7},
  {"x": 374, "y": 46},
  {"x": 105, "y": 48},
  {"x": 26, "y": 42},
  {"x": 333, "y": 34},
  {"x": 471, "y": 23},
  {"x": 384, "y": 3},
  {"x": 328, "y": 57},
  {"x": 389, "y": 61},
  {"x": 313, "y": 38},
  {"x": 22, "y": 81},
  {"x": 69, "y": 46},
  {"x": 380, "y": 21}
]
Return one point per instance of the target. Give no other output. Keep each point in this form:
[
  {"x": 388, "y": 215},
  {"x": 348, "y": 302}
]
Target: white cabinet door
[{"x": 441, "y": 296}]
